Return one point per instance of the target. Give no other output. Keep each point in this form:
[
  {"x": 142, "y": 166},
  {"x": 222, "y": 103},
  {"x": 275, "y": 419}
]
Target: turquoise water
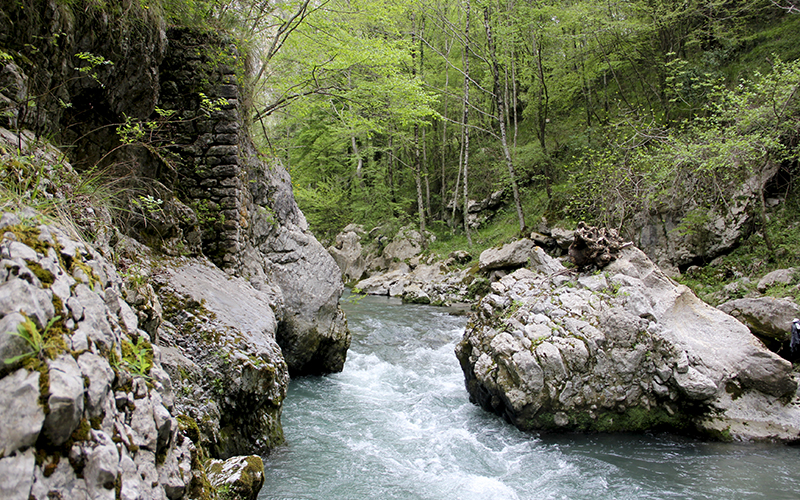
[{"x": 397, "y": 424}]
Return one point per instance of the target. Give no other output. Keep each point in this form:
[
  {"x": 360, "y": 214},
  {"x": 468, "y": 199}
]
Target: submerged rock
[{"x": 620, "y": 350}]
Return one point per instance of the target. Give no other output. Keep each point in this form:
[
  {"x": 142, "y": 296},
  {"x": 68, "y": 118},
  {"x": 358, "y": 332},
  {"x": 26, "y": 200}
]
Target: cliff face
[
  {"x": 230, "y": 292},
  {"x": 163, "y": 109}
]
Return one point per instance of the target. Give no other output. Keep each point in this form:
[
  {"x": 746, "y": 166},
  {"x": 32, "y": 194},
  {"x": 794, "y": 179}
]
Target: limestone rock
[
  {"x": 563, "y": 237},
  {"x": 510, "y": 255},
  {"x": 413, "y": 294},
  {"x": 777, "y": 277},
  {"x": 74, "y": 380},
  {"x": 65, "y": 400},
  {"x": 280, "y": 251},
  {"x": 764, "y": 316},
  {"x": 23, "y": 416},
  {"x": 348, "y": 254},
  {"x": 543, "y": 263},
  {"x": 244, "y": 475},
  {"x": 100, "y": 376},
  {"x": 19, "y": 296},
  {"x": 659, "y": 233},
  {"x": 16, "y": 475},
  {"x": 102, "y": 466},
  {"x": 406, "y": 244},
  {"x": 11, "y": 346},
  {"x": 226, "y": 331},
  {"x": 624, "y": 350}
]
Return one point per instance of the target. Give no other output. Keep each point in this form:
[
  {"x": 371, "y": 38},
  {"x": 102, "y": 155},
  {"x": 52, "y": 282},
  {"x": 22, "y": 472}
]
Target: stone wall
[
  {"x": 244, "y": 205},
  {"x": 199, "y": 81}
]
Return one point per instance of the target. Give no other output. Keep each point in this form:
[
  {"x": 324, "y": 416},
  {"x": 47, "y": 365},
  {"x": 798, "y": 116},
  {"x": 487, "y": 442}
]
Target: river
[{"x": 397, "y": 424}]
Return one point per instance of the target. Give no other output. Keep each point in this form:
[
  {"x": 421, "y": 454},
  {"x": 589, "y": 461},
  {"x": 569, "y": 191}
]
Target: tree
[
  {"x": 501, "y": 119},
  {"x": 465, "y": 121}
]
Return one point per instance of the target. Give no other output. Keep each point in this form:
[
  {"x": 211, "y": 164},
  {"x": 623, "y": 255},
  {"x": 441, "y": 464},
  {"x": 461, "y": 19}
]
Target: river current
[{"x": 397, "y": 424}]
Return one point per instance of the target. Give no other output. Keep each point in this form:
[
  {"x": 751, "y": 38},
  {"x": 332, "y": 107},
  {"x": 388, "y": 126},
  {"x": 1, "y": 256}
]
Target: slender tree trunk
[
  {"x": 448, "y": 45},
  {"x": 417, "y": 155},
  {"x": 359, "y": 159},
  {"x": 458, "y": 175},
  {"x": 390, "y": 172},
  {"x": 466, "y": 126},
  {"x": 354, "y": 143},
  {"x": 425, "y": 175},
  {"x": 514, "y": 95},
  {"x": 542, "y": 99},
  {"x": 418, "y": 181},
  {"x": 501, "y": 119}
]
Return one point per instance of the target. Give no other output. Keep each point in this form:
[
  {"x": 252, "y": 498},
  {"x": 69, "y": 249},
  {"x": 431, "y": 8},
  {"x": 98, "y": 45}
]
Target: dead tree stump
[{"x": 594, "y": 246}]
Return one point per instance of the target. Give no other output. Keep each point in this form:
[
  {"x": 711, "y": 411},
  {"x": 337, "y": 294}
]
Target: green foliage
[
  {"x": 744, "y": 131},
  {"x": 208, "y": 106},
  {"x": 206, "y": 214},
  {"x": 39, "y": 342},
  {"x": 137, "y": 357},
  {"x": 149, "y": 203},
  {"x": 92, "y": 62}
]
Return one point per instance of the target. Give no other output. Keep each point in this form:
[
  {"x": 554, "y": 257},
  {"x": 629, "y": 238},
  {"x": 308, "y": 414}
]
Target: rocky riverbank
[
  {"x": 125, "y": 370},
  {"x": 620, "y": 347},
  {"x": 623, "y": 349}
]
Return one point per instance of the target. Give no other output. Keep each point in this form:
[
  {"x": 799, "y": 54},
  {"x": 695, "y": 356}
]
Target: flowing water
[{"x": 397, "y": 424}]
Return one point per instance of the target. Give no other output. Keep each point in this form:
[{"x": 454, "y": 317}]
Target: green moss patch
[{"x": 634, "y": 419}]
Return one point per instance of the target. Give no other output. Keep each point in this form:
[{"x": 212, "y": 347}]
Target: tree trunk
[
  {"x": 417, "y": 155},
  {"x": 390, "y": 172},
  {"x": 354, "y": 142},
  {"x": 418, "y": 182},
  {"x": 466, "y": 126},
  {"x": 448, "y": 46},
  {"x": 425, "y": 175},
  {"x": 542, "y": 99},
  {"x": 501, "y": 119}
]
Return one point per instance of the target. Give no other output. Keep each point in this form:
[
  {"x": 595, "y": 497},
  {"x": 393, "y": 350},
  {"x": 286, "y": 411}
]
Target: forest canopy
[{"x": 401, "y": 110}]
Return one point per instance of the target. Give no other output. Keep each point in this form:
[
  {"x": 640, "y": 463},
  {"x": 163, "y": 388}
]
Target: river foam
[{"x": 397, "y": 424}]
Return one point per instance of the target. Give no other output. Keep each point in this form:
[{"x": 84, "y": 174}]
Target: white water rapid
[{"x": 397, "y": 424}]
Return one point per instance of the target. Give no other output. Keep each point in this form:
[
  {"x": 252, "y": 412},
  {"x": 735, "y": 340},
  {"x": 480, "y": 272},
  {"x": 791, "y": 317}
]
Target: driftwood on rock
[{"x": 594, "y": 246}]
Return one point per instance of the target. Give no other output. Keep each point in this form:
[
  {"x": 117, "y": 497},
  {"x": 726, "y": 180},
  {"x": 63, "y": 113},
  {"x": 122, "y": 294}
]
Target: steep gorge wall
[
  {"x": 245, "y": 210},
  {"x": 168, "y": 120}
]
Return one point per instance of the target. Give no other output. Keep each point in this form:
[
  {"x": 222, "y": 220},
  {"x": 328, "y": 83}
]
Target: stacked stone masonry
[{"x": 199, "y": 78}]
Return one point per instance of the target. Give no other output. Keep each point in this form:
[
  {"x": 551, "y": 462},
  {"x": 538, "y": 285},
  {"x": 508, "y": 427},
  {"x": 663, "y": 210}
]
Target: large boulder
[
  {"x": 624, "y": 349},
  {"x": 219, "y": 339},
  {"x": 682, "y": 233},
  {"x": 777, "y": 277},
  {"x": 510, "y": 255},
  {"x": 768, "y": 317},
  {"x": 281, "y": 253},
  {"x": 347, "y": 252}
]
